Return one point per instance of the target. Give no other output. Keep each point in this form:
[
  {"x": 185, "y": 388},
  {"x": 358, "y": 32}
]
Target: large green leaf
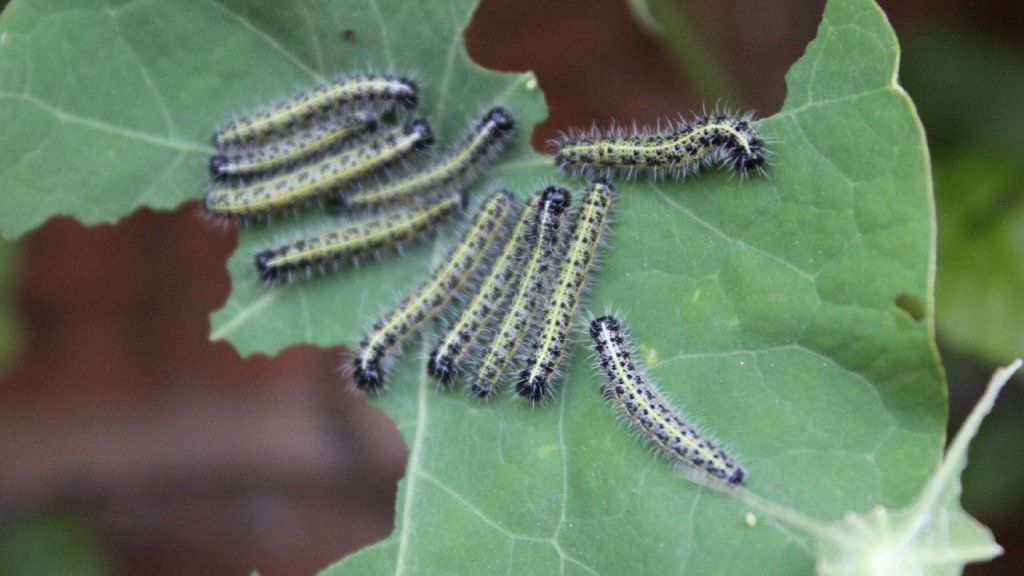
[
  {"x": 767, "y": 307},
  {"x": 790, "y": 314}
]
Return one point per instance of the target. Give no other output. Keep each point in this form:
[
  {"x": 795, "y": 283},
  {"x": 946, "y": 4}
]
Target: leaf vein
[{"x": 268, "y": 39}]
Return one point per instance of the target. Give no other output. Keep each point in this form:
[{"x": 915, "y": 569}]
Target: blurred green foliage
[
  {"x": 8, "y": 315},
  {"x": 968, "y": 88},
  {"x": 47, "y": 545},
  {"x": 969, "y": 91}
]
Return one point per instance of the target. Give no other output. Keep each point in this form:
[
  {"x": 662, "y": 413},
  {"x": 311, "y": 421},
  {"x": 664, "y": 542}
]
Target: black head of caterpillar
[
  {"x": 743, "y": 151},
  {"x": 423, "y": 131},
  {"x": 681, "y": 150},
  {"x": 555, "y": 199},
  {"x": 502, "y": 119},
  {"x": 266, "y": 272},
  {"x": 409, "y": 99}
]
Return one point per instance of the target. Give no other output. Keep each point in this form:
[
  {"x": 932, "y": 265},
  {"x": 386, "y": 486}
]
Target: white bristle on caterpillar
[
  {"x": 430, "y": 299},
  {"x": 311, "y": 182},
  {"x": 459, "y": 340},
  {"x": 455, "y": 169},
  {"x": 356, "y": 241},
  {"x": 516, "y": 325},
  {"x": 649, "y": 412},
  {"x": 680, "y": 151},
  {"x": 373, "y": 92},
  {"x": 312, "y": 142},
  {"x": 559, "y": 311}
]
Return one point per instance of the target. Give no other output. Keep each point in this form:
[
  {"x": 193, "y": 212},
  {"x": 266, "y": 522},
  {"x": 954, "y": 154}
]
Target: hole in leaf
[{"x": 911, "y": 305}]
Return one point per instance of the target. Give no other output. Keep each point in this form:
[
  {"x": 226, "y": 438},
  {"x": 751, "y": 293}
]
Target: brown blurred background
[{"x": 129, "y": 444}]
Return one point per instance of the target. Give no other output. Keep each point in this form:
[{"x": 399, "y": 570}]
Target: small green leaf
[{"x": 931, "y": 537}]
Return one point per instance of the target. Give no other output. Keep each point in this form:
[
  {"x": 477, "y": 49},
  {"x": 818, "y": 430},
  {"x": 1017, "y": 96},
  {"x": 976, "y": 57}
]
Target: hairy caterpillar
[
  {"x": 457, "y": 168},
  {"x": 647, "y": 409},
  {"x": 291, "y": 149},
  {"x": 709, "y": 139},
  {"x": 463, "y": 334},
  {"x": 559, "y": 313},
  {"x": 313, "y": 181},
  {"x": 361, "y": 91},
  {"x": 516, "y": 324},
  {"x": 434, "y": 295},
  {"x": 357, "y": 240}
]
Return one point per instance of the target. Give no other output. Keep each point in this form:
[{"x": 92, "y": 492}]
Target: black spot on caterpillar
[
  {"x": 456, "y": 169},
  {"x": 708, "y": 139},
  {"x": 311, "y": 182},
  {"x": 355, "y": 241},
  {"x": 431, "y": 298},
  {"x": 649, "y": 412},
  {"x": 539, "y": 247},
  {"x": 359, "y": 91},
  {"x": 559, "y": 312}
]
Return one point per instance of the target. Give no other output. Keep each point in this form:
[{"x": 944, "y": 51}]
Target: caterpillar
[
  {"x": 291, "y": 149},
  {"x": 648, "y": 410},
  {"x": 361, "y": 91},
  {"x": 707, "y": 139},
  {"x": 548, "y": 348},
  {"x": 458, "y": 168},
  {"x": 313, "y": 181},
  {"x": 433, "y": 296},
  {"x": 360, "y": 239},
  {"x": 516, "y": 324},
  {"x": 444, "y": 362}
]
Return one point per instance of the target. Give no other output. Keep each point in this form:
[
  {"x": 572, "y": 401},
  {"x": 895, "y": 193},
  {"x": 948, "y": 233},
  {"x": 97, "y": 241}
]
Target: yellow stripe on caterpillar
[
  {"x": 649, "y": 411},
  {"x": 464, "y": 333},
  {"x": 431, "y": 298},
  {"x": 559, "y": 314},
  {"x": 357, "y": 240},
  {"x": 313, "y": 181},
  {"x": 361, "y": 91},
  {"x": 515, "y": 326},
  {"x": 457, "y": 168},
  {"x": 294, "y": 148}
]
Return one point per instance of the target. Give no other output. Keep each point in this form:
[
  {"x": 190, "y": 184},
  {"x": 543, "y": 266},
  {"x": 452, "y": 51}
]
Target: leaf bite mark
[{"x": 911, "y": 305}]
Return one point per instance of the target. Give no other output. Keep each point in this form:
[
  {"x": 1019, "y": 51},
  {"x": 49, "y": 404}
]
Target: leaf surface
[{"x": 775, "y": 310}]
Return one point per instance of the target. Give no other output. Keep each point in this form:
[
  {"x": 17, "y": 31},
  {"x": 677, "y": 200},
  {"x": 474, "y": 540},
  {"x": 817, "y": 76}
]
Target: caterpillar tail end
[
  {"x": 533, "y": 388},
  {"x": 442, "y": 369},
  {"x": 368, "y": 375},
  {"x": 483, "y": 392}
]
